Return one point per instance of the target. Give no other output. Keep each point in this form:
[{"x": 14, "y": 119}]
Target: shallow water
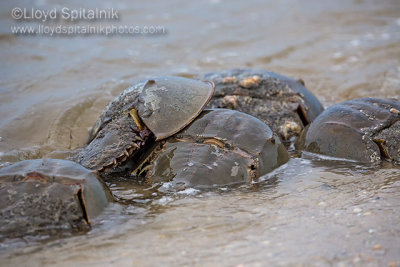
[{"x": 311, "y": 211}]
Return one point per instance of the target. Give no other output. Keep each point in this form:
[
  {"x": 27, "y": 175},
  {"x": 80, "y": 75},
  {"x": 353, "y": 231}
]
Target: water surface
[{"x": 311, "y": 211}]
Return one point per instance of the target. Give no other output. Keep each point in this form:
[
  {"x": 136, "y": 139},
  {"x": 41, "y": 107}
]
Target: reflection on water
[
  {"x": 310, "y": 211},
  {"x": 302, "y": 212}
]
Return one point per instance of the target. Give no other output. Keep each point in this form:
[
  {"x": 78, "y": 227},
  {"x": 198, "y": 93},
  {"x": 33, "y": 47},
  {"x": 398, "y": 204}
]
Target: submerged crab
[
  {"x": 220, "y": 147},
  {"x": 48, "y": 196},
  {"x": 364, "y": 129},
  {"x": 147, "y": 111},
  {"x": 282, "y": 103}
]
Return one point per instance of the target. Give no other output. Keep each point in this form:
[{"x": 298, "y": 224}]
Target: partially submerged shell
[
  {"x": 49, "y": 196},
  {"x": 114, "y": 137},
  {"x": 168, "y": 104},
  {"x": 220, "y": 147},
  {"x": 364, "y": 130},
  {"x": 282, "y": 103},
  {"x": 165, "y": 106}
]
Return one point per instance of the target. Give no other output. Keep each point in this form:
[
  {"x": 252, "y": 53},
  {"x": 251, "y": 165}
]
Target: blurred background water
[{"x": 309, "y": 212}]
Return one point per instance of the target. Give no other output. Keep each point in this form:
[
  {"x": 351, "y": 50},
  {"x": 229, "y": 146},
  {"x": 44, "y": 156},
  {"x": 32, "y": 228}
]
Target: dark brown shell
[
  {"x": 165, "y": 105},
  {"x": 220, "y": 147},
  {"x": 282, "y": 103},
  {"x": 364, "y": 129},
  {"x": 114, "y": 137},
  {"x": 48, "y": 196},
  {"x": 168, "y": 104}
]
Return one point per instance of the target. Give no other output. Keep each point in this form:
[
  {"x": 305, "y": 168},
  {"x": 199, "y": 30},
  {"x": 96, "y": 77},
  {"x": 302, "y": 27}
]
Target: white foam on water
[
  {"x": 189, "y": 192},
  {"x": 164, "y": 200}
]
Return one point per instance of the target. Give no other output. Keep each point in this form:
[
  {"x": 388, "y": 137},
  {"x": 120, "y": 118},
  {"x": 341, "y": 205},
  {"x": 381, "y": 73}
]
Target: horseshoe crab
[
  {"x": 220, "y": 147},
  {"x": 48, "y": 196},
  {"x": 147, "y": 111},
  {"x": 364, "y": 130},
  {"x": 282, "y": 103}
]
